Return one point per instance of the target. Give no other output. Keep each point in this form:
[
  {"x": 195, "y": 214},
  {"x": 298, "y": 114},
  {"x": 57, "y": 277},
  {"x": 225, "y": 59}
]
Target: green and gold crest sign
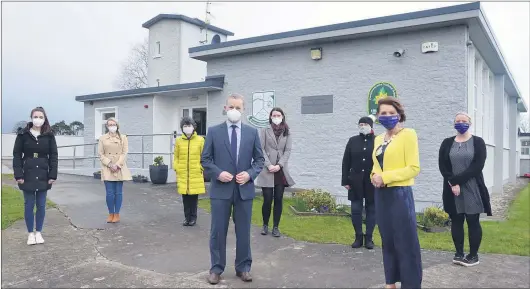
[{"x": 378, "y": 91}]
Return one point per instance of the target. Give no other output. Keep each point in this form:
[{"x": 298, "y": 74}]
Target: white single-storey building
[{"x": 438, "y": 62}]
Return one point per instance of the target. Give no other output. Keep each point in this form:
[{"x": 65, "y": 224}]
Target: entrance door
[{"x": 198, "y": 114}]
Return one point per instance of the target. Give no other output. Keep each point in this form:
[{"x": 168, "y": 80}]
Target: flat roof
[
  {"x": 469, "y": 14},
  {"x": 211, "y": 83},
  {"x": 187, "y": 19}
]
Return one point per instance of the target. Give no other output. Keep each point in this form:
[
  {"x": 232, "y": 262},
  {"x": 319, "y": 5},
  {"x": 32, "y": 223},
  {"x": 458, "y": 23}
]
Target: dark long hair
[
  {"x": 45, "y": 128},
  {"x": 282, "y": 125}
]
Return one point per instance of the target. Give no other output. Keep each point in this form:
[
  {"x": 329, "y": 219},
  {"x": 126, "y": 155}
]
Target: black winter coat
[
  {"x": 473, "y": 171},
  {"x": 35, "y": 160},
  {"x": 357, "y": 165}
]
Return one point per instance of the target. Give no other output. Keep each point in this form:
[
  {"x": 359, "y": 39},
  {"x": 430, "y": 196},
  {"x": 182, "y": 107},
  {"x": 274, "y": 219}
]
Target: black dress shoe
[
  {"x": 368, "y": 242},
  {"x": 214, "y": 278},
  {"x": 358, "y": 243},
  {"x": 276, "y": 232},
  {"x": 186, "y": 223},
  {"x": 265, "y": 230},
  {"x": 244, "y": 276},
  {"x": 192, "y": 223}
]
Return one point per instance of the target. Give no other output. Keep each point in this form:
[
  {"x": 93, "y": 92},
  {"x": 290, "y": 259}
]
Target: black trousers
[
  {"x": 270, "y": 194},
  {"x": 474, "y": 231},
  {"x": 190, "y": 206}
]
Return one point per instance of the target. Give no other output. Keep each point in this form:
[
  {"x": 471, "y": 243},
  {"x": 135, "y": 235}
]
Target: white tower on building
[{"x": 170, "y": 36}]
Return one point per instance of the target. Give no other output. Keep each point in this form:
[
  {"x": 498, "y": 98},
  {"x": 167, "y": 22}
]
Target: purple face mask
[
  {"x": 388, "y": 121},
  {"x": 461, "y": 127}
]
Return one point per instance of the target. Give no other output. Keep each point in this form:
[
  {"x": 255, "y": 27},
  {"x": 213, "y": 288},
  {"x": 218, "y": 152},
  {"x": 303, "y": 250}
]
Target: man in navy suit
[{"x": 233, "y": 159}]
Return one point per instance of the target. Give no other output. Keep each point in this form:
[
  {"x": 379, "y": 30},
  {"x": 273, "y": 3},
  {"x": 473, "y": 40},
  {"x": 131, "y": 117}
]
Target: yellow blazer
[
  {"x": 187, "y": 165},
  {"x": 401, "y": 161}
]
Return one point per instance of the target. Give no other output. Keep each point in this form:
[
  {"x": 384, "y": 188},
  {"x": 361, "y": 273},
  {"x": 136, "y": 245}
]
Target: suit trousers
[{"x": 242, "y": 215}]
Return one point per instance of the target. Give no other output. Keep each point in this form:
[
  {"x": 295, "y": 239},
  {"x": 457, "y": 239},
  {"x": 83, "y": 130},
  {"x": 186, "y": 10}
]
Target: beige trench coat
[
  {"x": 275, "y": 153},
  {"x": 112, "y": 150}
]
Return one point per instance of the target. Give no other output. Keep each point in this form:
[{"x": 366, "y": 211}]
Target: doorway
[{"x": 198, "y": 114}]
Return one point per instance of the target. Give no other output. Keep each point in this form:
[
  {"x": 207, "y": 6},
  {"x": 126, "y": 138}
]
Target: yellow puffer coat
[{"x": 187, "y": 165}]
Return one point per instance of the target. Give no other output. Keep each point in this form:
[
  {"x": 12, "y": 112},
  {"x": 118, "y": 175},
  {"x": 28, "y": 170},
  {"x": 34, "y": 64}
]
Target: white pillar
[
  {"x": 499, "y": 131},
  {"x": 513, "y": 124}
]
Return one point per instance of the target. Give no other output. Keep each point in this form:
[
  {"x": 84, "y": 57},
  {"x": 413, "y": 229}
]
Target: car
[{"x": 527, "y": 175}]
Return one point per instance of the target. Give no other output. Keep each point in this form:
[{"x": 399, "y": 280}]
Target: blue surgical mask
[
  {"x": 389, "y": 121},
  {"x": 461, "y": 127}
]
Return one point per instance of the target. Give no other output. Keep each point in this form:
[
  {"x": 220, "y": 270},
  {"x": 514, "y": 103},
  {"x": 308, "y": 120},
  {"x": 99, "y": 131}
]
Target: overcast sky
[{"x": 52, "y": 52}]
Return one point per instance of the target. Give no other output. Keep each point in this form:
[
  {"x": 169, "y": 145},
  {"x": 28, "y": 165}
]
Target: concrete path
[{"x": 150, "y": 248}]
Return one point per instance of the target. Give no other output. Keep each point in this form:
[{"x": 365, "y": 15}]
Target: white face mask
[
  {"x": 365, "y": 129},
  {"x": 113, "y": 128},
  {"x": 233, "y": 115},
  {"x": 277, "y": 120},
  {"x": 188, "y": 130},
  {"x": 38, "y": 122}
]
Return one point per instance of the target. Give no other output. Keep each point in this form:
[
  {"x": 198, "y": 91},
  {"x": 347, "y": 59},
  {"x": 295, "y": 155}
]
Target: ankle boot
[
  {"x": 116, "y": 218},
  {"x": 110, "y": 218},
  {"x": 368, "y": 242},
  {"x": 358, "y": 243}
]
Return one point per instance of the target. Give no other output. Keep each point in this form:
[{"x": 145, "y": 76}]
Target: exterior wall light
[{"x": 316, "y": 53}]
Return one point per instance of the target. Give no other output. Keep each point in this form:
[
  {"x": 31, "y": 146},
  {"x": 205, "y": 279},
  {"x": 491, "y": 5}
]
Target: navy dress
[{"x": 396, "y": 219}]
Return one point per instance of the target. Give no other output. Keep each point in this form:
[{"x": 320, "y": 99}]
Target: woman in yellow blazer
[
  {"x": 396, "y": 163},
  {"x": 187, "y": 165},
  {"x": 112, "y": 149}
]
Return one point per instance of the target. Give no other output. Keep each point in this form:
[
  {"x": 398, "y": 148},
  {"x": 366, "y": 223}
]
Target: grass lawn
[
  {"x": 503, "y": 237},
  {"x": 13, "y": 204}
]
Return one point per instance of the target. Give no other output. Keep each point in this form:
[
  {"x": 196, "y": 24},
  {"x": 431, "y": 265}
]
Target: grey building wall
[
  {"x": 432, "y": 87},
  {"x": 133, "y": 119},
  {"x": 166, "y": 68}
]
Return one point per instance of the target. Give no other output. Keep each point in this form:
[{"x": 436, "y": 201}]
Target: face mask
[
  {"x": 389, "y": 121},
  {"x": 188, "y": 130},
  {"x": 38, "y": 122},
  {"x": 113, "y": 129},
  {"x": 365, "y": 129},
  {"x": 233, "y": 115},
  {"x": 277, "y": 120},
  {"x": 461, "y": 127}
]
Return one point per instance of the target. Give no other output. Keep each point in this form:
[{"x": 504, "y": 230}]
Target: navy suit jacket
[{"x": 216, "y": 158}]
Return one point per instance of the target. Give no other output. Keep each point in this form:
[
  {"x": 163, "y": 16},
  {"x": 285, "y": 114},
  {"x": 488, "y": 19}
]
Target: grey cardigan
[{"x": 275, "y": 153}]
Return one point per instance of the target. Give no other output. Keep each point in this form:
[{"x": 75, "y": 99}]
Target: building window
[
  {"x": 525, "y": 151},
  {"x": 101, "y": 115},
  {"x": 157, "y": 50},
  {"x": 158, "y": 47},
  {"x": 525, "y": 143},
  {"x": 158, "y": 82}
]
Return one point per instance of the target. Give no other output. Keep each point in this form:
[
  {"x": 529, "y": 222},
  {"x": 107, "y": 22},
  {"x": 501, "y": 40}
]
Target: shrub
[
  {"x": 434, "y": 217},
  {"x": 159, "y": 161},
  {"x": 315, "y": 200}
]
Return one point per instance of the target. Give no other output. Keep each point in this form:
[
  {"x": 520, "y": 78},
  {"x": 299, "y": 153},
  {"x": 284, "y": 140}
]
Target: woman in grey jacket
[{"x": 276, "y": 142}]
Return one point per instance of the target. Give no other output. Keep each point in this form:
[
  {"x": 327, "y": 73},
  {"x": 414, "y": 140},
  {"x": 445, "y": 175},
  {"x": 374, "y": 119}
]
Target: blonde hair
[
  {"x": 464, "y": 114},
  {"x": 117, "y": 125}
]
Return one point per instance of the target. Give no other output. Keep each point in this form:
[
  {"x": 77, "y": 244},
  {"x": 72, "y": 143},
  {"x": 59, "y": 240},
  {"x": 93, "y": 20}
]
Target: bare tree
[
  {"x": 525, "y": 123},
  {"x": 134, "y": 71}
]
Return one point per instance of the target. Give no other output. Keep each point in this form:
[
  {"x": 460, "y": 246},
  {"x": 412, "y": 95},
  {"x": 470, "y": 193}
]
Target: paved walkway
[{"x": 150, "y": 248}]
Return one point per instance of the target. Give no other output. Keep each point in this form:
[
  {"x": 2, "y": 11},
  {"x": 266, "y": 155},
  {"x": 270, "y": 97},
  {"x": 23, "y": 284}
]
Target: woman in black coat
[
  {"x": 357, "y": 165},
  {"x": 465, "y": 195},
  {"x": 35, "y": 161}
]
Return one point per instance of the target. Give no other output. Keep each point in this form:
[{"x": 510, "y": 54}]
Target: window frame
[{"x": 98, "y": 119}]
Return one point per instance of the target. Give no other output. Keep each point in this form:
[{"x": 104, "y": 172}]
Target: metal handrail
[{"x": 142, "y": 153}]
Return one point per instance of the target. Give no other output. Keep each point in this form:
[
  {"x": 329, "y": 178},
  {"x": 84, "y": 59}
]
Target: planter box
[
  {"x": 158, "y": 174},
  {"x": 433, "y": 229},
  {"x": 97, "y": 176},
  {"x": 140, "y": 179},
  {"x": 317, "y": 214}
]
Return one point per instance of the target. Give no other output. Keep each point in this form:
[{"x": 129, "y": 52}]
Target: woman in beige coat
[
  {"x": 276, "y": 142},
  {"x": 112, "y": 149}
]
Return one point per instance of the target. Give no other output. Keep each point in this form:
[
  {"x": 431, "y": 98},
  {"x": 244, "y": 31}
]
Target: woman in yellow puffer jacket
[{"x": 187, "y": 165}]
